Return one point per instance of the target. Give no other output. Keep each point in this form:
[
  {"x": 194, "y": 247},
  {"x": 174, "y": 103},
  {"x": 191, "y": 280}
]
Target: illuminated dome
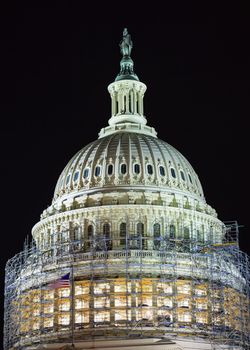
[
  {"x": 127, "y": 160},
  {"x": 129, "y": 255}
]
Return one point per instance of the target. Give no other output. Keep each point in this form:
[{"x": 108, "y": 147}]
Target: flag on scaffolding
[{"x": 60, "y": 282}]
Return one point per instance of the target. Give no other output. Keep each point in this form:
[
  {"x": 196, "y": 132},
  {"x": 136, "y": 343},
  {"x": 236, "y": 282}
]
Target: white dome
[{"x": 128, "y": 160}]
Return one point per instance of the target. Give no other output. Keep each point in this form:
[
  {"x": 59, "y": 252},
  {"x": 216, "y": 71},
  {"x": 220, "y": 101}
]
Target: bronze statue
[{"x": 126, "y": 43}]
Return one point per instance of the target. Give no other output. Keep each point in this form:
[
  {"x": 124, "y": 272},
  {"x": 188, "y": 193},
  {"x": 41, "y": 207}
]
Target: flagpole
[{"x": 72, "y": 306}]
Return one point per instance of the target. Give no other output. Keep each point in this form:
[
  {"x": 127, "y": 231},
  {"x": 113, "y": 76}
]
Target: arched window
[
  {"x": 172, "y": 232},
  {"x": 157, "y": 235},
  {"x": 76, "y": 233},
  {"x": 140, "y": 235},
  {"x": 86, "y": 173},
  {"x": 140, "y": 229},
  {"x": 150, "y": 169},
  {"x": 137, "y": 168},
  {"x": 162, "y": 170},
  {"x": 123, "y": 168},
  {"x": 123, "y": 231},
  {"x": 106, "y": 236},
  {"x": 186, "y": 233},
  {"x": 97, "y": 170},
  {"x": 90, "y": 236},
  {"x": 110, "y": 169},
  {"x": 173, "y": 172}
]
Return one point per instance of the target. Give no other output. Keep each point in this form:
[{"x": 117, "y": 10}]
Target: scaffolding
[{"x": 129, "y": 284}]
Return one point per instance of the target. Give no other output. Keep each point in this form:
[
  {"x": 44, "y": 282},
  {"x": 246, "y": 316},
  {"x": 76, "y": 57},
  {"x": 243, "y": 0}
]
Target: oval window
[
  {"x": 86, "y": 173},
  {"x": 97, "y": 170},
  {"x": 123, "y": 168},
  {"x": 190, "y": 179},
  {"x": 110, "y": 169},
  {"x": 182, "y": 175},
  {"x": 162, "y": 170},
  {"x": 76, "y": 175},
  {"x": 137, "y": 169},
  {"x": 173, "y": 172},
  {"x": 150, "y": 169}
]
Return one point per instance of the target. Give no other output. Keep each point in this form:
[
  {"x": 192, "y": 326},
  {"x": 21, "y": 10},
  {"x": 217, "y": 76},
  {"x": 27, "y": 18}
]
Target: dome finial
[{"x": 127, "y": 64}]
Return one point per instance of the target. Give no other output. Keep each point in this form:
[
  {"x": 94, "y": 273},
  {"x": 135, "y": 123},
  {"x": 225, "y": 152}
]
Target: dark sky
[{"x": 57, "y": 61}]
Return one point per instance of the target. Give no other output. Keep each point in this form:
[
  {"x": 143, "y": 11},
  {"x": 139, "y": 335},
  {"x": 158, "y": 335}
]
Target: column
[
  {"x": 142, "y": 109},
  {"x": 139, "y": 102},
  {"x": 113, "y": 105},
  {"x": 134, "y": 100},
  {"x": 131, "y": 101},
  {"x": 127, "y": 102}
]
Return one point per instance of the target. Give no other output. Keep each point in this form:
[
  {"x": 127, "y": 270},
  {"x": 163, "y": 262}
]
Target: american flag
[{"x": 60, "y": 282}]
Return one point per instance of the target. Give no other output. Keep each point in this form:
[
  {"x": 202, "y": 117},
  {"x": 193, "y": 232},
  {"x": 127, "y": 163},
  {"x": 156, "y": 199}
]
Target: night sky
[{"x": 57, "y": 62}]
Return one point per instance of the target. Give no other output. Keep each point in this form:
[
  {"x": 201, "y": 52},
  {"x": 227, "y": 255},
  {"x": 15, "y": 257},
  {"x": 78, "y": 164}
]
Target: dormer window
[
  {"x": 137, "y": 168},
  {"x": 150, "y": 169},
  {"x": 182, "y": 175},
  {"x": 110, "y": 169},
  {"x": 86, "y": 173},
  {"x": 76, "y": 175},
  {"x": 162, "y": 170},
  {"x": 97, "y": 170},
  {"x": 123, "y": 168},
  {"x": 173, "y": 172},
  {"x": 67, "y": 180}
]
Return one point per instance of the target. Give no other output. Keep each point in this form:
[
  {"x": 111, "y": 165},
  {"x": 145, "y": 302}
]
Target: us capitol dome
[{"x": 129, "y": 255}]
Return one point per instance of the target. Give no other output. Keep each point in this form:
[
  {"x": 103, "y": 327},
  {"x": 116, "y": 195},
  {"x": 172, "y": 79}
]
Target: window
[
  {"x": 186, "y": 233},
  {"x": 106, "y": 235},
  {"x": 76, "y": 233},
  {"x": 82, "y": 317},
  {"x": 67, "y": 180},
  {"x": 162, "y": 170},
  {"x": 76, "y": 175},
  {"x": 102, "y": 316},
  {"x": 184, "y": 317},
  {"x": 101, "y": 288},
  {"x": 182, "y": 175},
  {"x": 63, "y": 319},
  {"x": 200, "y": 236},
  {"x": 172, "y": 232},
  {"x": 48, "y": 322},
  {"x": 123, "y": 230},
  {"x": 64, "y": 306},
  {"x": 137, "y": 169},
  {"x": 81, "y": 289},
  {"x": 173, "y": 172},
  {"x": 90, "y": 236},
  {"x": 140, "y": 229},
  {"x": 86, "y": 173},
  {"x": 190, "y": 179},
  {"x": 157, "y": 234},
  {"x": 150, "y": 169},
  {"x": 110, "y": 169},
  {"x": 184, "y": 303},
  {"x": 122, "y": 315},
  {"x": 63, "y": 292},
  {"x": 123, "y": 168},
  {"x": 101, "y": 302},
  {"x": 140, "y": 232},
  {"x": 97, "y": 170}
]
